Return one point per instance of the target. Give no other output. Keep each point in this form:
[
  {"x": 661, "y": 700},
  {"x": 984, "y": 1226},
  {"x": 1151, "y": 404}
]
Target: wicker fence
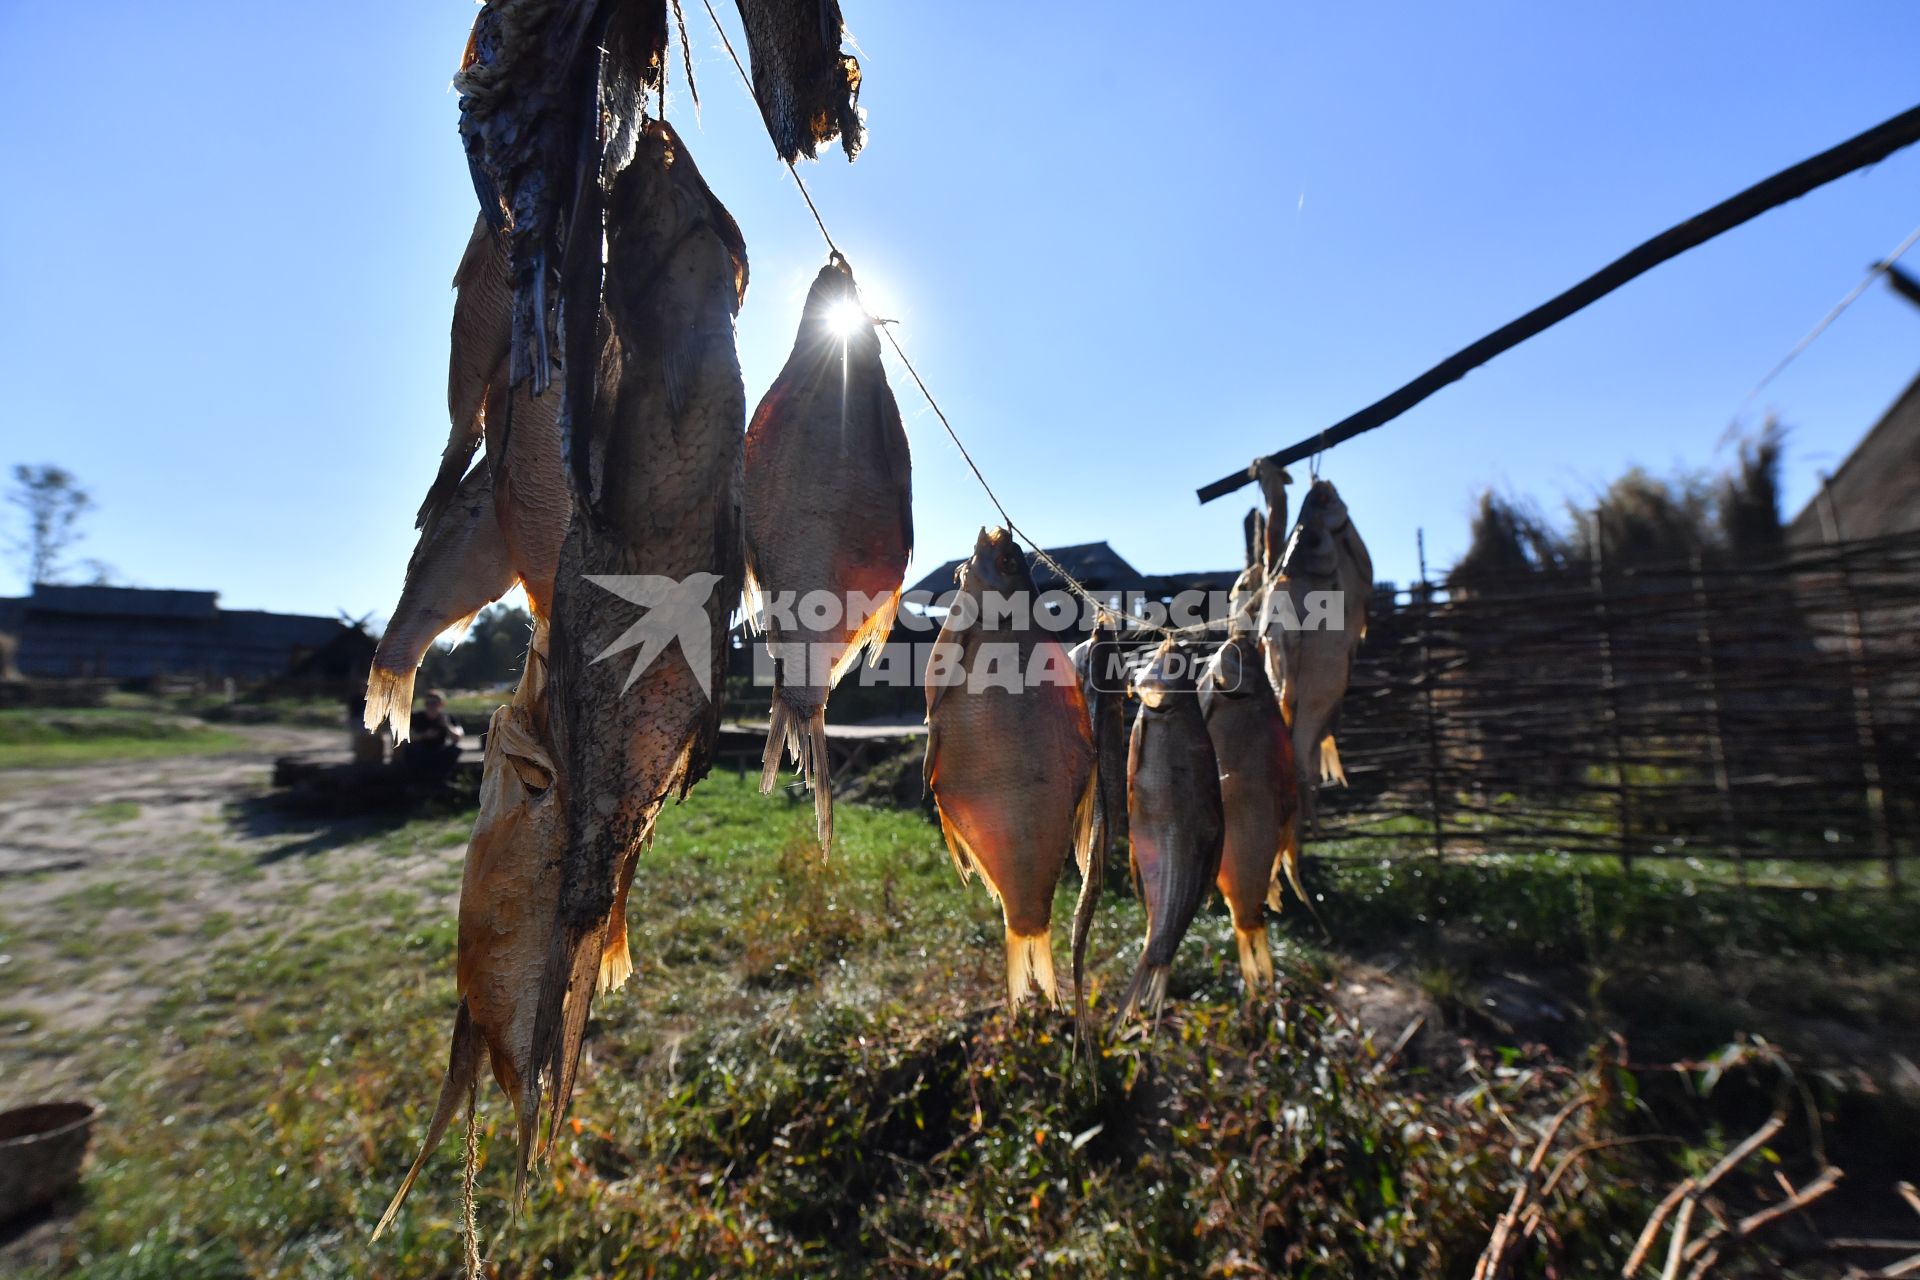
[{"x": 1765, "y": 712}]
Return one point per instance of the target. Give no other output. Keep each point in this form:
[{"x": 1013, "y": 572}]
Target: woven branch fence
[{"x": 1749, "y": 713}]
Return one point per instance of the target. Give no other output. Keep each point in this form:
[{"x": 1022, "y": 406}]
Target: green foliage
[
  {"x": 811, "y": 1074},
  {"x": 32, "y": 738},
  {"x": 489, "y": 657}
]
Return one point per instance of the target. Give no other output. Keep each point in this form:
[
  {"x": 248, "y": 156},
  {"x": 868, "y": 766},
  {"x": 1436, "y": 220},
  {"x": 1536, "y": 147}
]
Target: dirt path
[{"x": 118, "y": 879}]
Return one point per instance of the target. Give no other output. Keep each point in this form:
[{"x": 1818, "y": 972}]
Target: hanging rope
[
  {"x": 1072, "y": 584},
  {"x": 1874, "y": 272}
]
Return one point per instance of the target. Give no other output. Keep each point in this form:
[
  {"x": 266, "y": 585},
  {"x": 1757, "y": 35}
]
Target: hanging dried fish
[
  {"x": 1259, "y": 795},
  {"x": 507, "y": 901},
  {"x": 1325, "y": 554},
  {"x": 477, "y": 360},
  {"x": 1174, "y": 817},
  {"x": 503, "y": 521},
  {"x": 1098, "y": 661},
  {"x": 654, "y": 443},
  {"x": 551, "y": 96},
  {"x": 459, "y": 567},
  {"x": 1009, "y": 755},
  {"x": 808, "y": 90},
  {"x": 1273, "y": 522},
  {"x": 829, "y": 492}
]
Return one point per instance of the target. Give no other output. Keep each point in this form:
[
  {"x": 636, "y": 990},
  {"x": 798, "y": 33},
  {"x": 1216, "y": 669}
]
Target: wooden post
[
  {"x": 1717, "y": 732},
  {"x": 1623, "y": 804},
  {"x": 1866, "y": 734},
  {"x": 1424, "y": 593}
]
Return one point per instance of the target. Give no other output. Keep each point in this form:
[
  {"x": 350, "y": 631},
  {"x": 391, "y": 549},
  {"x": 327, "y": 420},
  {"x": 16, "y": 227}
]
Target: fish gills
[
  {"x": 1174, "y": 818},
  {"x": 1010, "y": 768},
  {"x": 507, "y": 899},
  {"x": 829, "y": 508},
  {"x": 1259, "y": 796},
  {"x": 459, "y": 567},
  {"x": 654, "y": 444}
]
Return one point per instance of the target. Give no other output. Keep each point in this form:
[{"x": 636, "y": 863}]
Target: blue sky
[{"x": 1129, "y": 246}]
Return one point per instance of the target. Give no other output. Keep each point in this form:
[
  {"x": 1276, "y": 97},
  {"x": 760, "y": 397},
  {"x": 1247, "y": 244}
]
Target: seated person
[{"x": 433, "y": 737}]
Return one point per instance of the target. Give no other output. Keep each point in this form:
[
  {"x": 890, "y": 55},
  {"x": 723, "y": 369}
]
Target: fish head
[
  {"x": 833, "y": 311},
  {"x": 1243, "y": 599},
  {"x": 1324, "y": 506},
  {"x": 1167, "y": 675},
  {"x": 1236, "y": 669},
  {"x": 1311, "y": 553},
  {"x": 998, "y": 565}
]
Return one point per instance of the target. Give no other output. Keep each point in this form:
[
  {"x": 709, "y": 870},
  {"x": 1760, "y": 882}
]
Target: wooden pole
[
  {"x": 1874, "y": 145},
  {"x": 1717, "y": 733},
  {"x": 1425, "y": 595},
  {"x": 1623, "y": 805},
  {"x": 1865, "y": 733}
]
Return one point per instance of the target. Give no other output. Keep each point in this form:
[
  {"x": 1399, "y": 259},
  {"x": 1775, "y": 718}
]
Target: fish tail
[
  {"x": 1256, "y": 957},
  {"x": 561, "y": 1005},
  {"x": 1030, "y": 968},
  {"x": 1147, "y": 992},
  {"x": 390, "y": 696},
  {"x": 1330, "y": 769},
  {"x": 463, "y": 1066},
  {"x": 820, "y": 778},
  {"x": 806, "y": 741},
  {"x": 779, "y": 726},
  {"x": 1286, "y": 863},
  {"x": 616, "y": 960}
]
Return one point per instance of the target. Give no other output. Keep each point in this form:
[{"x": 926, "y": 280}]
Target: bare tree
[{"x": 53, "y": 501}]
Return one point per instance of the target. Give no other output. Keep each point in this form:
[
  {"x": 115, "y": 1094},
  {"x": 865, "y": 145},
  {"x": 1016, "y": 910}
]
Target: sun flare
[{"x": 845, "y": 318}]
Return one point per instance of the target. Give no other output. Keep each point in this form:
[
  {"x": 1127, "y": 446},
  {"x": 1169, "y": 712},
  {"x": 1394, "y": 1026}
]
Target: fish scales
[
  {"x": 656, "y": 455},
  {"x": 807, "y": 89},
  {"x": 1259, "y": 796},
  {"x": 1312, "y": 666},
  {"x": 1010, "y": 769},
  {"x": 829, "y": 509},
  {"x": 1174, "y": 817}
]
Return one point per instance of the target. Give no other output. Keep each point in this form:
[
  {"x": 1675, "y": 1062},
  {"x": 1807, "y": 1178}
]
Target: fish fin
[
  {"x": 871, "y": 637},
  {"x": 463, "y": 1066},
  {"x": 1090, "y": 851},
  {"x": 779, "y": 730},
  {"x": 1030, "y": 968},
  {"x": 1330, "y": 768},
  {"x": 1286, "y": 863},
  {"x": 1256, "y": 957},
  {"x": 565, "y": 999},
  {"x": 1146, "y": 993},
  {"x": 957, "y": 847},
  {"x": 390, "y": 697},
  {"x": 616, "y": 960},
  {"x": 806, "y": 740}
]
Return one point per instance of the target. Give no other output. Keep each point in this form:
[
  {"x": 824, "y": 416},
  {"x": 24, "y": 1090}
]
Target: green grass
[
  {"x": 810, "y": 1075},
  {"x": 36, "y": 738}
]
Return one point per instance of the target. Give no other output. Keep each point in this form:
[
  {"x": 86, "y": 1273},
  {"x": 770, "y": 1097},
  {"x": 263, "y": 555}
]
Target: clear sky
[{"x": 1129, "y": 245}]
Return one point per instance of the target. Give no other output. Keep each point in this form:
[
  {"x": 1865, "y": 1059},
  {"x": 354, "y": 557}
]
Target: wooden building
[{"x": 129, "y": 633}]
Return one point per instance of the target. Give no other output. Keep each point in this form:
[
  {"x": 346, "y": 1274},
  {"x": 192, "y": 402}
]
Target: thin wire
[
  {"x": 1873, "y": 273},
  {"x": 1073, "y": 585}
]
